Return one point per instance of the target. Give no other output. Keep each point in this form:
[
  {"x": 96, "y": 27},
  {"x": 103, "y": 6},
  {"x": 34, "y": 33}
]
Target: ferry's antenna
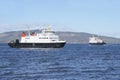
[
  {"x": 28, "y": 30},
  {"x": 49, "y": 27}
]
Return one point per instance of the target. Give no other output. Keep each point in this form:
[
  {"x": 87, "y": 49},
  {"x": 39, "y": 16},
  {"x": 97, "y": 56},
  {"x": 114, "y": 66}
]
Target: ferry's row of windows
[
  {"x": 53, "y": 38},
  {"x": 45, "y": 38},
  {"x": 40, "y": 38}
]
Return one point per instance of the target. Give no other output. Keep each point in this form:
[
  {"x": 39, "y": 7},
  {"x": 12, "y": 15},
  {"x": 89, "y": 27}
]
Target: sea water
[{"x": 73, "y": 62}]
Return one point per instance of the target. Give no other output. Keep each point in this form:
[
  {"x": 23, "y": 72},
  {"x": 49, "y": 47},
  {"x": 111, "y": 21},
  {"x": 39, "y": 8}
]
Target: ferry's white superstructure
[{"x": 47, "y": 36}]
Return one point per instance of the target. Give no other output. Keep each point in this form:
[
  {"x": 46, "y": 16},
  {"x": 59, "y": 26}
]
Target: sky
[{"x": 100, "y": 17}]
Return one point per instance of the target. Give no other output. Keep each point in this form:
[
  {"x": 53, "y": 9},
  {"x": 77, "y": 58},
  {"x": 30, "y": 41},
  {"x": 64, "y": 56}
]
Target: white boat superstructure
[
  {"x": 46, "y": 36},
  {"x": 96, "y": 40}
]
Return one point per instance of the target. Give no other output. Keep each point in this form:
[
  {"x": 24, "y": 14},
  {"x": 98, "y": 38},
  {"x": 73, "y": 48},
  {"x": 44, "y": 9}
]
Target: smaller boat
[{"x": 96, "y": 41}]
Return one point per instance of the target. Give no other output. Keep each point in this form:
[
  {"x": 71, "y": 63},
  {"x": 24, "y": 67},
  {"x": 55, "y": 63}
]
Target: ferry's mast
[{"x": 28, "y": 30}]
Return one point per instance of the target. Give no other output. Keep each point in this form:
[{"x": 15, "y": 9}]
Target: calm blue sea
[{"x": 73, "y": 62}]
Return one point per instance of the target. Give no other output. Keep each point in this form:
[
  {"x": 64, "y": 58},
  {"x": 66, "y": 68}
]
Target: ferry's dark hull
[
  {"x": 97, "y": 43},
  {"x": 37, "y": 45}
]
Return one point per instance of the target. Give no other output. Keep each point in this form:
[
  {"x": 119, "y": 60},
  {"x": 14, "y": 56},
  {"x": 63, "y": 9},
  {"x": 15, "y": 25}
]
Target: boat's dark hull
[
  {"x": 97, "y": 43},
  {"x": 37, "y": 45}
]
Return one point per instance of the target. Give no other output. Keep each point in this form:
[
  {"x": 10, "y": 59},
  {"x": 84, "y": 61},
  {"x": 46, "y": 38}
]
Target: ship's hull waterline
[
  {"x": 97, "y": 43},
  {"x": 37, "y": 45}
]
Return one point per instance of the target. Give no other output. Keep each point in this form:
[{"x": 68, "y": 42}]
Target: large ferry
[
  {"x": 96, "y": 41},
  {"x": 46, "y": 39}
]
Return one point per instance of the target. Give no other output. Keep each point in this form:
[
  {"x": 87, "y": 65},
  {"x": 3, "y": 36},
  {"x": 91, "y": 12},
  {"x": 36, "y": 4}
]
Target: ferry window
[
  {"x": 53, "y": 40},
  {"x": 27, "y": 38},
  {"x": 43, "y": 37}
]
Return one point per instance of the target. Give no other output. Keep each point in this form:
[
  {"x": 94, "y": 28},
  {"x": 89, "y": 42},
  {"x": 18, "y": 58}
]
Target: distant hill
[{"x": 70, "y": 37}]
